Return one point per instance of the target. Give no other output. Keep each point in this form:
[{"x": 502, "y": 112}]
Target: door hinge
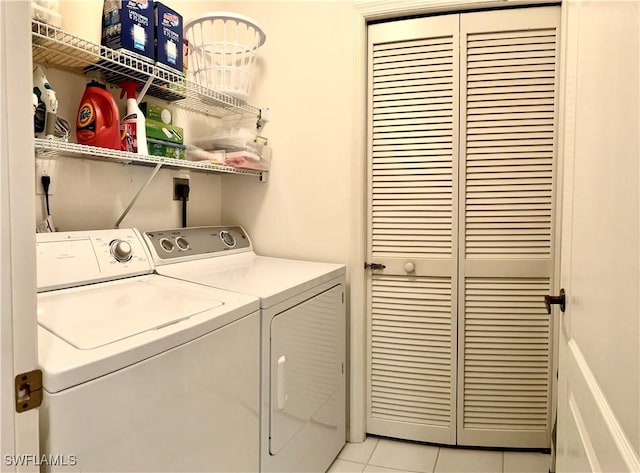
[
  {"x": 374, "y": 266},
  {"x": 28, "y": 390}
]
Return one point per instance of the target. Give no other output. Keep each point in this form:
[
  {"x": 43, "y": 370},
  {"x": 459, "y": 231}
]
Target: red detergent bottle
[{"x": 98, "y": 120}]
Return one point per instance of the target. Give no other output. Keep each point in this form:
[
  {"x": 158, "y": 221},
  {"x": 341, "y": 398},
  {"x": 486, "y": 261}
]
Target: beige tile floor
[{"x": 376, "y": 455}]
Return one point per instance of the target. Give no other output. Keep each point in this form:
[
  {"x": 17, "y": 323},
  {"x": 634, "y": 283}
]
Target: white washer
[
  {"x": 142, "y": 372},
  {"x": 302, "y": 304}
]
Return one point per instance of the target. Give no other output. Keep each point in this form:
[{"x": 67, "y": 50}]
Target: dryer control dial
[
  {"x": 121, "y": 250},
  {"x": 182, "y": 243},
  {"x": 167, "y": 245},
  {"x": 228, "y": 239}
]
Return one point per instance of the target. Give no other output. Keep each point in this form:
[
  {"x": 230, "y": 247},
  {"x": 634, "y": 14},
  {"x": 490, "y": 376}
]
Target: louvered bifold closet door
[
  {"x": 507, "y": 165},
  {"x": 413, "y": 135}
]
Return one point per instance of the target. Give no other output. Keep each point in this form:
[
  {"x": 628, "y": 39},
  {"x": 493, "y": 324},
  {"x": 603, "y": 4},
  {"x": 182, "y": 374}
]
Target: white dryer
[
  {"x": 142, "y": 372},
  {"x": 302, "y": 415}
]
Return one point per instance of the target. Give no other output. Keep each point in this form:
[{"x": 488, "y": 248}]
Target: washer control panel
[
  {"x": 197, "y": 242},
  {"x": 69, "y": 259}
]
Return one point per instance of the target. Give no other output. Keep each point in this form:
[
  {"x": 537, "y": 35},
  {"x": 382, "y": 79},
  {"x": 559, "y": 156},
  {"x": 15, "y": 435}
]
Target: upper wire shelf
[{"x": 56, "y": 47}]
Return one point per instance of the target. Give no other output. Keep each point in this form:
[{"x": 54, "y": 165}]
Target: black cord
[
  {"x": 184, "y": 211},
  {"x": 183, "y": 192},
  {"x": 46, "y": 180}
]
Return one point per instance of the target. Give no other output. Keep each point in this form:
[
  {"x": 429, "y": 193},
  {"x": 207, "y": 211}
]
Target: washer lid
[
  {"x": 90, "y": 331},
  {"x": 101, "y": 314}
]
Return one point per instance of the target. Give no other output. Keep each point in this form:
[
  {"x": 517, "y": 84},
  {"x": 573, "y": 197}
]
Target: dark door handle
[
  {"x": 374, "y": 266},
  {"x": 560, "y": 300}
]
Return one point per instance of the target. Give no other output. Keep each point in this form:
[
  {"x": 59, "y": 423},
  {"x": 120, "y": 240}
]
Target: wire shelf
[
  {"x": 55, "y": 148},
  {"x": 54, "y": 46}
]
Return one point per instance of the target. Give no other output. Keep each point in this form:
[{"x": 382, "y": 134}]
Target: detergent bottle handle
[
  {"x": 109, "y": 110},
  {"x": 108, "y": 117}
]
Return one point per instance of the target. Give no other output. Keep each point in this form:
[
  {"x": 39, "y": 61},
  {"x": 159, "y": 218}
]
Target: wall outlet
[
  {"x": 45, "y": 167},
  {"x": 177, "y": 181}
]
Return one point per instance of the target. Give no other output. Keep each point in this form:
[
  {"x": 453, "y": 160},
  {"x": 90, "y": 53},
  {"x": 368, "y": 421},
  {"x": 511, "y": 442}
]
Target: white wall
[{"x": 306, "y": 79}]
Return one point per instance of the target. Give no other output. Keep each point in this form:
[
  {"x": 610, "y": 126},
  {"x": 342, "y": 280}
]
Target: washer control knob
[
  {"x": 228, "y": 239},
  {"x": 121, "y": 250},
  {"x": 182, "y": 243},
  {"x": 409, "y": 267}
]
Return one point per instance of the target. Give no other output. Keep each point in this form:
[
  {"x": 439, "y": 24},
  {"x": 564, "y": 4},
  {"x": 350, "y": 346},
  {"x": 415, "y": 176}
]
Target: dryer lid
[
  {"x": 98, "y": 315},
  {"x": 273, "y": 280}
]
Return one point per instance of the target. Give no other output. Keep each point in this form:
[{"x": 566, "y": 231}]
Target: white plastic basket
[{"x": 222, "y": 51}]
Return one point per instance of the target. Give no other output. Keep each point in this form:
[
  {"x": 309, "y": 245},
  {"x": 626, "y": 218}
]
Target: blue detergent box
[
  {"x": 128, "y": 24},
  {"x": 168, "y": 36}
]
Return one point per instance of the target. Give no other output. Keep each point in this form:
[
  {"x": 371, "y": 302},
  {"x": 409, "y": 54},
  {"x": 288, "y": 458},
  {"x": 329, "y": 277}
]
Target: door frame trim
[
  {"x": 18, "y": 337},
  {"x": 365, "y": 11}
]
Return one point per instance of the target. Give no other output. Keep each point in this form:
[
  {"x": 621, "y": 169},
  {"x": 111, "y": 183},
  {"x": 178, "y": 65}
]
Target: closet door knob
[{"x": 409, "y": 267}]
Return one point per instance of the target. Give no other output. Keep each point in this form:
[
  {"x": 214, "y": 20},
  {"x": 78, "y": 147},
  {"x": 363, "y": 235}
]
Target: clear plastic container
[
  {"x": 248, "y": 160},
  {"x": 236, "y": 147},
  {"x": 232, "y": 139},
  {"x": 236, "y": 159}
]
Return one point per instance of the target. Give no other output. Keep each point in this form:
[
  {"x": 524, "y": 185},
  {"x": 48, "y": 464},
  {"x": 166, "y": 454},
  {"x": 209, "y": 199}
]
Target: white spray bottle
[
  {"x": 45, "y": 115},
  {"x": 133, "y": 132}
]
